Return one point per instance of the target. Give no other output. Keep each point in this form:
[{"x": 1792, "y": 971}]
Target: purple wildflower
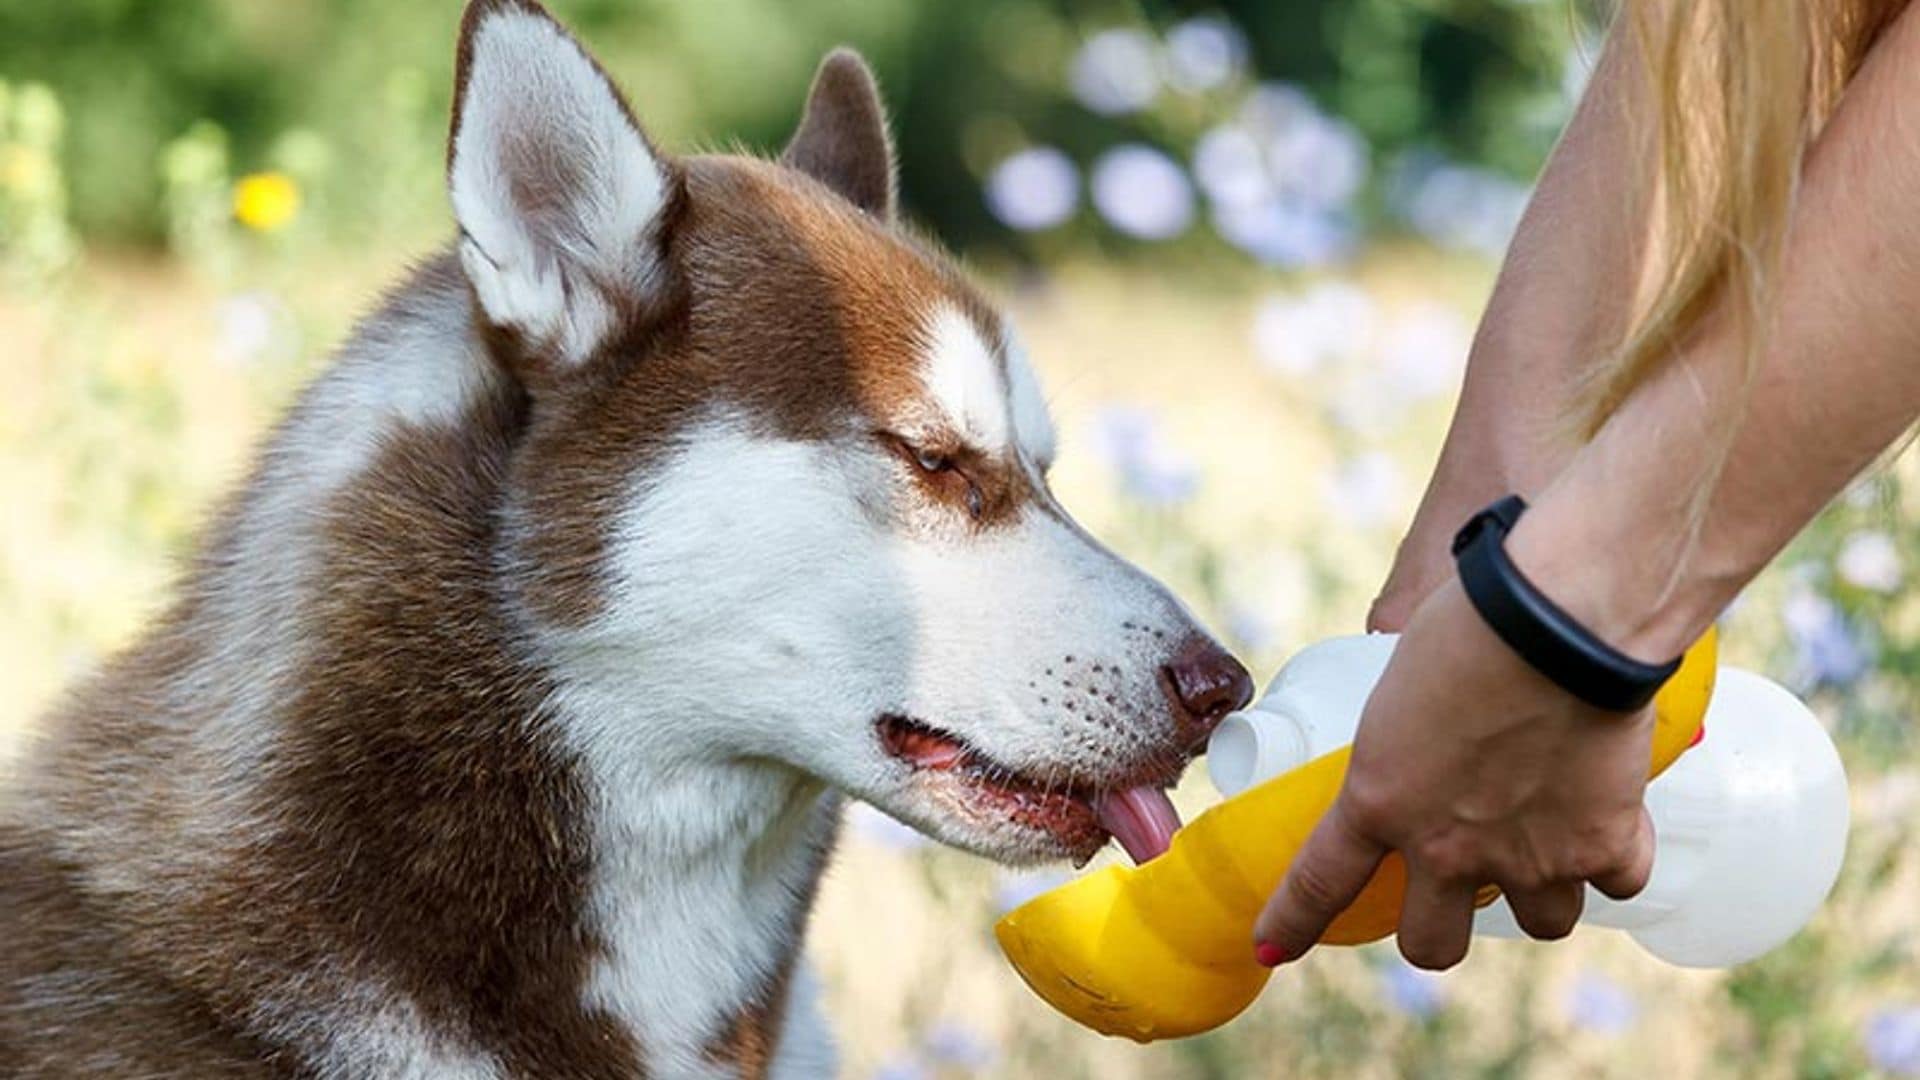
[
  {"x": 1892, "y": 1040},
  {"x": 1417, "y": 993},
  {"x": 957, "y": 1046},
  {"x": 1036, "y": 188},
  {"x": 1142, "y": 192},
  {"x": 1151, "y": 470},
  {"x": 1598, "y": 1004}
]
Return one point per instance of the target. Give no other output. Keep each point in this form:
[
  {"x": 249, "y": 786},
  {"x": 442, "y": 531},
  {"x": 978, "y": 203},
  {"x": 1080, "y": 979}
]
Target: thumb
[{"x": 1333, "y": 866}]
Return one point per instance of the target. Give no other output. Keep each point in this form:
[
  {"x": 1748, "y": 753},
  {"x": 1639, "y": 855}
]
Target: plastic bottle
[
  {"x": 1165, "y": 949},
  {"x": 1751, "y": 823}
]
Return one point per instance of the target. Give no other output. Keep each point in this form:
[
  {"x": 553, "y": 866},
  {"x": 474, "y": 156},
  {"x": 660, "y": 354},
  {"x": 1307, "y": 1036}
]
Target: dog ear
[
  {"x": 561, "y": 201},
  {"x": 843, "y": 141}
]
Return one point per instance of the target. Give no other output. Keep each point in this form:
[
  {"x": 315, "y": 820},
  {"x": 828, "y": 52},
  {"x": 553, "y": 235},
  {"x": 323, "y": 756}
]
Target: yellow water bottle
[{"x": 1165, "y": 949}]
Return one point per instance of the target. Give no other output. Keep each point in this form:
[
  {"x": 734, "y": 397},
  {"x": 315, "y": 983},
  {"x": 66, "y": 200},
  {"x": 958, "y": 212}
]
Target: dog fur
[{"x": 501, "y": 724}]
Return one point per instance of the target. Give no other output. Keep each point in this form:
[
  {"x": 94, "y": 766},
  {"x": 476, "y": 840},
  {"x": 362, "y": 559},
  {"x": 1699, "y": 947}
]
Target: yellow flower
[
  {"x": 26, "y": 171},
  {"x": 265, "y": 202}
]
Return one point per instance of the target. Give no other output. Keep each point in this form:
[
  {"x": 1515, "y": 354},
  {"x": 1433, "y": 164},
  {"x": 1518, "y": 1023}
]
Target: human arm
[
  {"x": 1480, "y": 771},
  {"x": 1838, "y": 384}
]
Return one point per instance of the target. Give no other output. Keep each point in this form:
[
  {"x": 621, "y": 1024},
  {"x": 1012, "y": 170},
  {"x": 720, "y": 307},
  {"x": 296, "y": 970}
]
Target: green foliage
[
  {"x": 1478, "y": 78},
  {"x": 367, "y": 82},
  {"x": 135, "y": 75},
  {"x": 35, "y": 239}
]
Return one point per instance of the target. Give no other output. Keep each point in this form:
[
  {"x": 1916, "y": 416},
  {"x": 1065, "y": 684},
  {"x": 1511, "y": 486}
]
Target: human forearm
[{"x": 1839, "y": 381}]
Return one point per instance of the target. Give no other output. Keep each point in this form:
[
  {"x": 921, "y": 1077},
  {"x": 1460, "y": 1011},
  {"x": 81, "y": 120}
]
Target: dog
[{"x": 501, "y": 725}]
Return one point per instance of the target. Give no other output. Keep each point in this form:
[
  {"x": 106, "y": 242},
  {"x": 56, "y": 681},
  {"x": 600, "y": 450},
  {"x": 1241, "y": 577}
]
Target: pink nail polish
[{"x": 1269, "y": 954}]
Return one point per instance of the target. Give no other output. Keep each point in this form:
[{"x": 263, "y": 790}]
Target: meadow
[{"x": 1265, "y": 483}]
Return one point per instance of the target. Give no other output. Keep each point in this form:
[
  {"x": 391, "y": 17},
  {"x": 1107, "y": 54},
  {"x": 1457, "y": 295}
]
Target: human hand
[{"x": 1478, "y": 770}]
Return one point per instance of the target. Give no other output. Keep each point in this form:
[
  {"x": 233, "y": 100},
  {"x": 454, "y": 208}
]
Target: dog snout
[{"x": 1208, "y": 683}]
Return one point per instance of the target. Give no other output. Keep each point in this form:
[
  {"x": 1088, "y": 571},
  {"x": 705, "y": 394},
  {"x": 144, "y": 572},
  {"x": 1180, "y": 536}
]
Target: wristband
[{"x": 1551, "y": 641}]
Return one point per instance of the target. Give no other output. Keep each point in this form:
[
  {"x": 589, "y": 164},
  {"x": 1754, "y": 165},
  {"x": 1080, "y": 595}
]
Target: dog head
[{"x": 783, "y": 495}]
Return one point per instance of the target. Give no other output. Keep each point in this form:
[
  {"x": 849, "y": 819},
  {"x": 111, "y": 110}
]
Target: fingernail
[
  {"x": 1697, "y": 736},
  {"x": 1269, "y": 954}
]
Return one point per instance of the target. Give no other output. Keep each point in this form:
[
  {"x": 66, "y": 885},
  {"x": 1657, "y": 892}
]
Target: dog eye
[
  {"x": 943, "y": 472},
  {"x": 931, "y": 462}
]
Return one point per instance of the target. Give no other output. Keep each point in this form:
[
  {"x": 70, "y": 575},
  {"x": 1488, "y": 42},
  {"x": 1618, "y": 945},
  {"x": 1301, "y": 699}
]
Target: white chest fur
[{"x": 700, "y": 894}]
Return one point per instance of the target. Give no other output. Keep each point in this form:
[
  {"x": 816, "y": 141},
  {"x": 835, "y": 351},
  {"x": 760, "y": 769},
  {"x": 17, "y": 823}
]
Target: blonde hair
[{"x": 1738, "y": 89}]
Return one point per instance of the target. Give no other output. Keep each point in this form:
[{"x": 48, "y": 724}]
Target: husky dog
[{"x": 501, "y": 726}]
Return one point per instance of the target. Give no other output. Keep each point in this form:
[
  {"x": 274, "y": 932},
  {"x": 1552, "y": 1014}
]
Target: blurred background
[{"x": 1247, "y": 242}]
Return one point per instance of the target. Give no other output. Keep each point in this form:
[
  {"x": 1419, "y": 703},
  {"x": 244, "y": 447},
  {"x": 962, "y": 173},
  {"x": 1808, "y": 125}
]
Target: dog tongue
[{"x": 1142, "y": 819}]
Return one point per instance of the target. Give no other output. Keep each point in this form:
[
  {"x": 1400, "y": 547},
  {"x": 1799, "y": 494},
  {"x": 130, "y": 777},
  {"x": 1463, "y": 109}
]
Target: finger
[
  {"x": 1436, "y": 920},
  {"x": 1548, "y": 913},
  {"x": 1332, "y": 868},
  {"x": 1626, "y": 881}
]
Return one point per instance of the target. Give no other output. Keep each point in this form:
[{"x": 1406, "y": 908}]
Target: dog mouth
[{"x": 1079, "y": 814}]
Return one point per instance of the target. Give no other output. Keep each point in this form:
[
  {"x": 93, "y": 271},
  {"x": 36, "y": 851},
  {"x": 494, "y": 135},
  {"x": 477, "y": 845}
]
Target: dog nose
[{"x": 1209, "y": 683}]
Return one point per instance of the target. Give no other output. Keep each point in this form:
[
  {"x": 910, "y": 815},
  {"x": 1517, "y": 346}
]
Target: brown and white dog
[{"x": 501, "y": 726}]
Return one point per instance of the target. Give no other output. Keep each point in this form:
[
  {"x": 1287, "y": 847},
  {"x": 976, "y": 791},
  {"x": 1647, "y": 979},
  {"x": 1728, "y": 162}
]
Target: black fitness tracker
[{"x": 1547, "y": 638}]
